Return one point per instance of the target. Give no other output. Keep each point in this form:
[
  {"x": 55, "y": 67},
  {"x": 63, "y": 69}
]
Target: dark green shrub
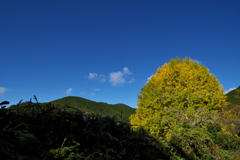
[{"x": 196, "y": 143}]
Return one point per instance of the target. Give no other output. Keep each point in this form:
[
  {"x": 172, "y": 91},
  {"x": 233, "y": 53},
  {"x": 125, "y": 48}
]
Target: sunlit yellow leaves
[{"x": 181, "y": 90}]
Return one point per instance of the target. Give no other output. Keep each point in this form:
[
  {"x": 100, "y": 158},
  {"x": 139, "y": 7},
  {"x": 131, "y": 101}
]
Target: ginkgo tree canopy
[{"x": 180, "y": 91}]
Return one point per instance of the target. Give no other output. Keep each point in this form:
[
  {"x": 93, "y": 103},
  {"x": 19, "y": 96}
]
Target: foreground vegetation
[{"x": 47, "y": 132}]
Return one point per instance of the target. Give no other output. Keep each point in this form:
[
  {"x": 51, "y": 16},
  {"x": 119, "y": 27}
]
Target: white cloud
[
  {"x": 69, "y": 91},
  {"x": 97, "y": 89},
  {"x": 195, "y": 60},
  {"x": 82, "y": 93},
  {"x": 131, "y": 80},
  {"x": 118, "y": 78},
  {"x": 93, "y": 94},
  {"x": 148, "y": 79},
  {"x": 92, "y": 75},
  {"x": 229, "y": 90},
  {"x": 3, "y": 90},
  {"x": 98, "y": 77},
  {"x": 126, "y": 71},
  {"x": 102, "y": 78},
  {"x": 115, "y": 78}
]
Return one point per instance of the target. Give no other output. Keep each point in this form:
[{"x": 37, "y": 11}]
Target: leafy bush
[
  {"x": 226, "y": 142},
  {"x": 196, "y": 143}
]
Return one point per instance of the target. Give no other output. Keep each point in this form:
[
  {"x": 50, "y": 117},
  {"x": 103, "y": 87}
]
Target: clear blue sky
[{"x": 105, "y": 50}]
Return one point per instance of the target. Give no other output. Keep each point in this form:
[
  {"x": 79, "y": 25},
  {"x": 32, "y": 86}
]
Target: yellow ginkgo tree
[{"x": 180, "y": 91}]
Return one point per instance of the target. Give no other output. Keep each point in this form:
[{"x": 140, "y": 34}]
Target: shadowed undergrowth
[
  {"x": 46, "y": 132},
  {"x": 42, "y": 132}
]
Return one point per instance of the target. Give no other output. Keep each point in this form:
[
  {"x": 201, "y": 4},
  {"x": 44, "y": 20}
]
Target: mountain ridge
[
  {"x": 233, "y": 97},
  {"x": 73, "y": 103}
]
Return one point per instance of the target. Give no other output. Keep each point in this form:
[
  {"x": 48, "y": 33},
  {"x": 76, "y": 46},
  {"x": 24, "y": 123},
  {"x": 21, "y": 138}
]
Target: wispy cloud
[
  {"x": 131, "y": 80},
  {"x": 3, "y": 90},
  {"x": 126, "y": 71},
  {"x": 148, "y": 79},
  {"x": 197, "y": 61},
  {"x": 97, "y": 89},
  {"x": 115, "y": 78},
  {"x": 93, "y": 94},
  {"x": 69, "y": 91},
  {"x": 229, "y": 90},
  {"x": 96, "y": 76},
  {"x": 82, "y": 93},
  {"x": 118, "y": 78},
  {"x": 92, "y": 75}
]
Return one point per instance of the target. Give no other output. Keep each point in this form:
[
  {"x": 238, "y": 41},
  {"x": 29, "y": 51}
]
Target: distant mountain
[
  {"x": 233, "y": 97},
  {"x": 71, "y": 103},
  {"x": 100, "y": 108}
]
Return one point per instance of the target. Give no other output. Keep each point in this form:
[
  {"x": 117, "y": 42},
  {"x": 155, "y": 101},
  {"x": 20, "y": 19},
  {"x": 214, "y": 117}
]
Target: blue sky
[{"x": 105, "y": 50}]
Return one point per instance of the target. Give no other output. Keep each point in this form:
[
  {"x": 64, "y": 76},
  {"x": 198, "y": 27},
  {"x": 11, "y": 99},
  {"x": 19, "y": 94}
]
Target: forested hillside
[
  {"x": 233, "y": 97},
  {"x": 87, "y": 106},
  {"x": 43, "y": 131},
  {"x": 71, "y": 103}
]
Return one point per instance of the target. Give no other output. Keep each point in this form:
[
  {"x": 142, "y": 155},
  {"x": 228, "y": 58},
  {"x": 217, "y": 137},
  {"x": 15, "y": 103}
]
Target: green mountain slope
[
  {"x": 233, "y": 97},
  {"x": 121, "y": 110},
  {"x": 71, "y": 103}
]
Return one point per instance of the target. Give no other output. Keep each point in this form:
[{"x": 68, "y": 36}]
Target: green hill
[
  {"x": 233, "y": 97},
  {"x": 71, "y": 103},
  {"x": 121, "y": 110}
]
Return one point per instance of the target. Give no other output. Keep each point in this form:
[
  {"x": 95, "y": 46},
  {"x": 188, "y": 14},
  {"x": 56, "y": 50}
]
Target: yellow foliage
[
  {"x": 230, "y": 123},
  {"x": 181, "y": 90}
]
